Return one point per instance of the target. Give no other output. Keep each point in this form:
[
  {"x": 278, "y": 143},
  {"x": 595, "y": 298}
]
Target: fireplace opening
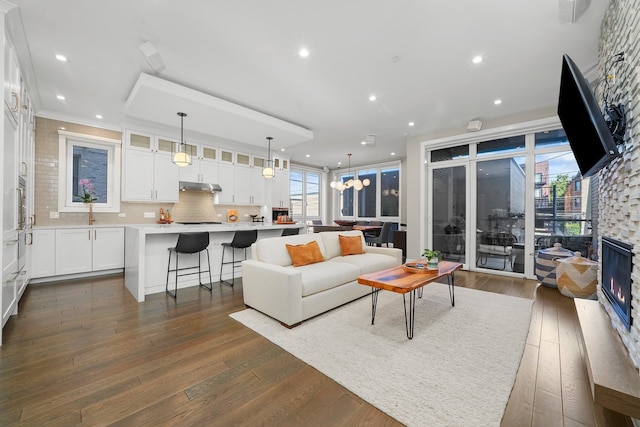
[{"x": 617, "y": 263}]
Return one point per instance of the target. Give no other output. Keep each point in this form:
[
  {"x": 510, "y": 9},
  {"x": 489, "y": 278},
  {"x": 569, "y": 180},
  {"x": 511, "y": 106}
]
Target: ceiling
[{"x": 414, "y": 55}]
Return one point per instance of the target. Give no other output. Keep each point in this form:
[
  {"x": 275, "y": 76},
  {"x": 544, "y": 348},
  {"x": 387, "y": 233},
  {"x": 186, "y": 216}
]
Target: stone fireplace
[{"x": 618, "y": 210}]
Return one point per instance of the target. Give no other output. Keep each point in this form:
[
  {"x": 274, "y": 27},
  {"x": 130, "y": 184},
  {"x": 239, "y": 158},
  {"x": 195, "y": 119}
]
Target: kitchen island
[{"x": 146, "y": 254}]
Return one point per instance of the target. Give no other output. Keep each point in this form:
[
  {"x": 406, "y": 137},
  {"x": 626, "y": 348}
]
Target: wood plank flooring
[{"x": 86, "y": 353}]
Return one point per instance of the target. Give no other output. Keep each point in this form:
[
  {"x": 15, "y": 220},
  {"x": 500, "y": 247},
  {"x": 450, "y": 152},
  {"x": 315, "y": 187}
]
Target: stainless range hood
[{"x": 199, "y": 186}]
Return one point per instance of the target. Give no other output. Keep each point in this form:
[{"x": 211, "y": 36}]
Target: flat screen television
[{"x": 589, "y": 137}]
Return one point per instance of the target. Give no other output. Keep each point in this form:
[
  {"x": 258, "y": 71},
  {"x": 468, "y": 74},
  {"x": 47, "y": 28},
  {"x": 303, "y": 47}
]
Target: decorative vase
[{"x": 432, "y": 264}]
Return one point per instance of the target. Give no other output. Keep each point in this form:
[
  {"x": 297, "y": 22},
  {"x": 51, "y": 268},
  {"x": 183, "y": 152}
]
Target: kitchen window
[{"x": 89, "y": 171}]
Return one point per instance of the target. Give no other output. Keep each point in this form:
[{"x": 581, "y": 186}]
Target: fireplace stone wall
[{"x": 619, "y": 183}]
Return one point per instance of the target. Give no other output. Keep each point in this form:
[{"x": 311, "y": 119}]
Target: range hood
[{"x": 199, "y": 186}]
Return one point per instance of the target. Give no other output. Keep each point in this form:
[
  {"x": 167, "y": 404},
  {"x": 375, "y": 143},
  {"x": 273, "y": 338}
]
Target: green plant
[{"x": 429, "y": 254}]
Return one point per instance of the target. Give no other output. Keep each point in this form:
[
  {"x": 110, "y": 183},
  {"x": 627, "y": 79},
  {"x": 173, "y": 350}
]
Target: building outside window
[
  {"x": 380, "y": 199},
  {"x": 305, "y": 195}
]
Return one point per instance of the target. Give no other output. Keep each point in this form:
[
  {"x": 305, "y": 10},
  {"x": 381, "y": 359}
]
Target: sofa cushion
[
  {"x": 332, "y": 243},
  {"x": 350, "y": 245},
  {"x": 319, "y": 277},
  {"x": 366, "y": 263},
  {"x": 307, "y": 253},
  {"x": 272, "y": 250}
]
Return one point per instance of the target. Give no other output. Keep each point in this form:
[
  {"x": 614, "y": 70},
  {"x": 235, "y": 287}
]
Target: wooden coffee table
[{"x": 399, "y": 280}]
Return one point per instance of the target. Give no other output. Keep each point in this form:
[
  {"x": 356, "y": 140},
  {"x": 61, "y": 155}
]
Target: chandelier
[
  {"x": 268, "y": 171},
  {"x": 351, "y": 183},
  {"x": 179, "y": 154}
]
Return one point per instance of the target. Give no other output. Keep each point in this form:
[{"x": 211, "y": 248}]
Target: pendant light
[
  {"x": 268, "y": 171},
  {"x": 179, "y": 156},
  {"x": 355, "y": 183}
]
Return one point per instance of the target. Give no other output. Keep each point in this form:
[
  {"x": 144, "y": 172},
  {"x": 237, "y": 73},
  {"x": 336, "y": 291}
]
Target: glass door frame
[
  {"x": 527, "y": 129},
  {"x": 469, "y": 224}
]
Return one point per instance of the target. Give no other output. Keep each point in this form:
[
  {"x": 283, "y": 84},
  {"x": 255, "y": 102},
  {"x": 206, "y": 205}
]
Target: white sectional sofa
[{"x": 273, "y": 286}]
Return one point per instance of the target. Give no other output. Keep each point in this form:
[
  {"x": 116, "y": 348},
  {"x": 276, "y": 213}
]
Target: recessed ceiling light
[
  {"x": 477, "y": 59},
  {"x": 411, "y": 124},
  {"x": 282, "y": 149},
  {"x": 363, "y": 142},
  {"x": 303, "y": 52},
  {"x": 98, "y": 116},
  {"x": 372, "y": 98},
  {"x": 308, "y": 155},
  {"x": 60, "y": 97},
  {"x": 497, "y": 101},
  {"x": 61, "y": 58},
  {"x": 339, "y": 163},
  {"x": 393, "y": 154}
]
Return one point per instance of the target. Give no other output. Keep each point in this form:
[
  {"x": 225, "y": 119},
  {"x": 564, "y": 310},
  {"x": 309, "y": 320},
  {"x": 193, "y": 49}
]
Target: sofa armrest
[
  {"x": 274, "y": 290},
  {"x": 394, "y": 252}
]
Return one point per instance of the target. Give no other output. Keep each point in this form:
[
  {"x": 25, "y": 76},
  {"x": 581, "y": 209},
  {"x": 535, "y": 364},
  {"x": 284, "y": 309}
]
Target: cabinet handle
[
  {"x": 33, "y": 221},
  {"x": 30, "y": 239},
  {"x": 14, "y": 107},
  {"x": 89, "y": 234},
  {"x": 23, "y": 168},
  {"x": 95, "y": 234},
  {"x": 156, "y": 194}
]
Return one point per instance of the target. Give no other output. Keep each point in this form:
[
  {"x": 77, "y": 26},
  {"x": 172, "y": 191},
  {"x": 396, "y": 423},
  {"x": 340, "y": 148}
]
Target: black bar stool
[
  {"x": 290, "y": 231},
  {"x": 189, "y": 243},
  {"x": 242, "y": 239}
]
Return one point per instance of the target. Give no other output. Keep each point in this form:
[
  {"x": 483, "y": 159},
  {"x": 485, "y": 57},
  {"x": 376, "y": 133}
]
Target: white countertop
[{"x": 179, "y": 228}]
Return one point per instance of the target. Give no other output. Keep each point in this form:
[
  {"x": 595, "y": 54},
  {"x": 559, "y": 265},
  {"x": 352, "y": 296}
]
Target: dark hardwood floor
[{"x": 85, "y": 352}]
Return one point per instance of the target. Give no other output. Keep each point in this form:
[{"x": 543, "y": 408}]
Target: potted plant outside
[{"x": 432, "y": 258}]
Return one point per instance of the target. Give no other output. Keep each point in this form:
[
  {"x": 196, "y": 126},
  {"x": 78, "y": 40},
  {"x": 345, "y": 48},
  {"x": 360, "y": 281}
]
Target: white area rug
[{"x": 457, "y": 371}]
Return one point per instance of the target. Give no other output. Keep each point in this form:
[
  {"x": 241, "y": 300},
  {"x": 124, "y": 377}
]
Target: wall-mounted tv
[{"x": 583, "y": 122}]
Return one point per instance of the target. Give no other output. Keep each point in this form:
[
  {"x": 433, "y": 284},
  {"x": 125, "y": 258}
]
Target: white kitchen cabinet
[
  {"x": 10, "y": 273},
  {"x": 280, "y": 190},
  {"x": 204, "y": 167},
  {"x": 81, "y": 250},
  {"x": 149, "y": 174},
  {"x": 241, "y": 185},
  {"x": 227, "y": 181},
  {"x": 108, "y": 248},
  {"x": 73, "y": 250},
  {"x": 43, "y": 253},
  {"x": 11, "y": 81}
]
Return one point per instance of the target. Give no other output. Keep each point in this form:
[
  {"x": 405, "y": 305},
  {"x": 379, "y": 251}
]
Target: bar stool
[
  {"x": 189, "y": 243},
  {"x": 290, "y": 231},
  {"x": 242, "y": 239}
]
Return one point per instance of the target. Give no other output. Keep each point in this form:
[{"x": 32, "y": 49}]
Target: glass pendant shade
[{"x": 181, "y": 159}]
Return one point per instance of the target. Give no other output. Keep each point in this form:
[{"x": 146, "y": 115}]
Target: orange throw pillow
[
  {"x": 308, "y": 253},
  {"x": 350, "y": 245}
]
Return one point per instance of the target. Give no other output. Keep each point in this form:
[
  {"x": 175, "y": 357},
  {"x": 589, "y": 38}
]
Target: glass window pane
[
  {"x": 562, "y": 202},
  {"x": 501, "y": 145},
  {"x": 346, "y": 197},
  {"x": 450, "y": 153},
  {"x": 390, "y": 192},
  {"x": 295, "y": 189},
  {"x": 500, "y": 214},
  {"x": 551, "y": 138},
  {"x": 367, "y": 199},
  {"x": 90, "y": 174},
  {"x": 313, "y": 195}
]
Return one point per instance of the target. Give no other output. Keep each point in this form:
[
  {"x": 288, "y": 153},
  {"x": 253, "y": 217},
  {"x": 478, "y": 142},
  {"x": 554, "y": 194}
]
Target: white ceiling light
[
  {"x": 98, "y": 116},
  {"x": 477, "y": 59},
  {"x": 60, "y": 97},
  {"x": 411, "y": 124},
  {"x": 303, "y": 52},
  {"x": 372, "y": 98},
  {"x": 497, "y": 101},
  {"x": 61, "y": 58}
]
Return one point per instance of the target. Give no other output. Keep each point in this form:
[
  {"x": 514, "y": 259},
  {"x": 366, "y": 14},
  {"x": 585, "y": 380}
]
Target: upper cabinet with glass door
[{"x": 204, "y": 164}]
